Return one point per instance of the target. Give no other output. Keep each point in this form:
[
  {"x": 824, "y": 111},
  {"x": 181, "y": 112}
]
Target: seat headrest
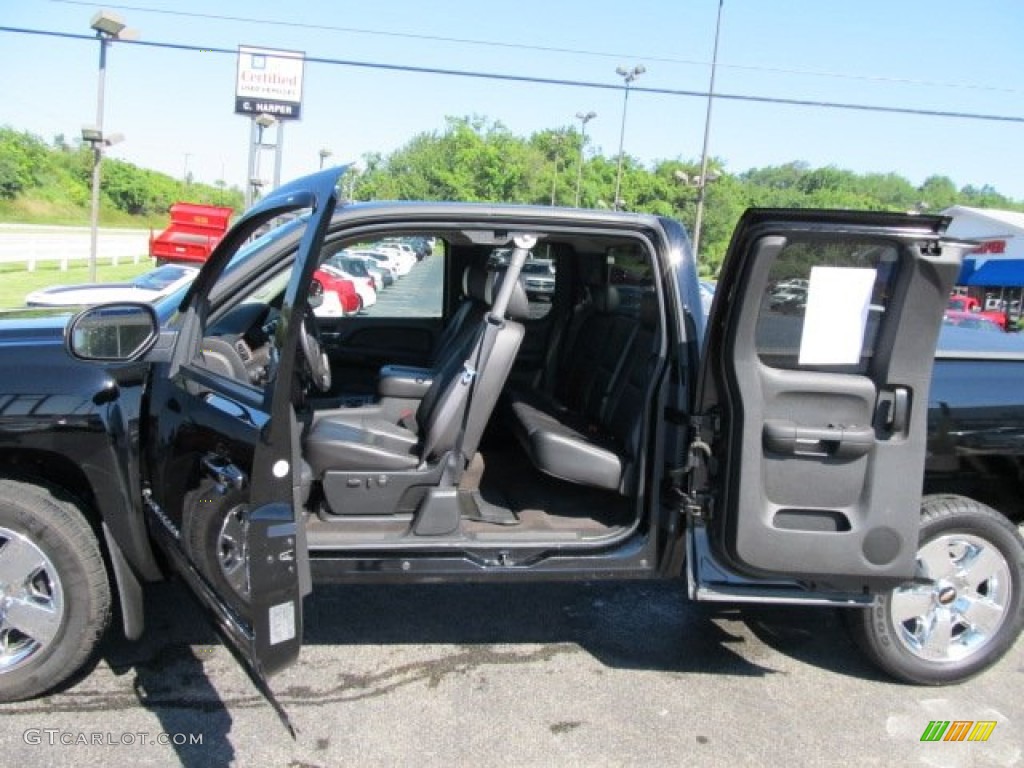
[
  {"x": 518, "y": 303},
  {"x": 474, "y": 283},
  {"x": 605, "y": 298},
  {"x": 649, "y": 311}
]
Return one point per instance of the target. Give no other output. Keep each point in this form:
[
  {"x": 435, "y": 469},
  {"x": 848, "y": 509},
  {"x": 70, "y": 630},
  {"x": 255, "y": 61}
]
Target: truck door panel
[{"x": 819, "y": 357}]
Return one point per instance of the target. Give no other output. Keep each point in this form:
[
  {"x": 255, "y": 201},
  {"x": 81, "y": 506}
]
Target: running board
[{"x": 708, "y": 580}]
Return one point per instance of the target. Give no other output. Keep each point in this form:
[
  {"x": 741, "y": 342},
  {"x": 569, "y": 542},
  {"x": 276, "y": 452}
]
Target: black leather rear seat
[{"x": 588, "y": 430}]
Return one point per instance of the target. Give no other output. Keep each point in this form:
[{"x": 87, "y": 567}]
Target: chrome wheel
[
  {"x": 958, "y": 613},
  {"x": 31, "y": 600},
  {"x": 233, "y": 552}
]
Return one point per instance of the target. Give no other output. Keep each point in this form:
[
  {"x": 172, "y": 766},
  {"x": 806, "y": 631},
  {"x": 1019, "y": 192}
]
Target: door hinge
[{"x": 697, "y": 506}]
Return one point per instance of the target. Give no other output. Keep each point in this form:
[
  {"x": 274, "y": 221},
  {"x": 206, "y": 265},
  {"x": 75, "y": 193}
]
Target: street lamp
[
  {"x": 584, "y": 118},
  {"x": 324, "y": 154},
  {"x": 707, "y": 136},
  {"x": 628, "y": 75},
  {"x": 108, "y": 26},
  {"x": 700, "y": 183}
]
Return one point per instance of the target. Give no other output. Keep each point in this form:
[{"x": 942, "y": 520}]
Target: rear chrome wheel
[
  {"x": 964, "y": 610},
  {"x": 961, "y": 610}
]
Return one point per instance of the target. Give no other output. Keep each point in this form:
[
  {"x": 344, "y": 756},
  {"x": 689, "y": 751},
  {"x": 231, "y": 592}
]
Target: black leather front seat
[{"x": 341, "y": 443}]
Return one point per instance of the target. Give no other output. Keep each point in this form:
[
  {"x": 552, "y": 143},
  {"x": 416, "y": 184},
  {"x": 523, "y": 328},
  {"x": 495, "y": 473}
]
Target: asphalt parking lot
[{"x": 520, "y": 675}]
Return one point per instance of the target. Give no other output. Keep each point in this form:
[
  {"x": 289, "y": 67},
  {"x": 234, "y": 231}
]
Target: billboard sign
[{"x": 269, "y": 82}]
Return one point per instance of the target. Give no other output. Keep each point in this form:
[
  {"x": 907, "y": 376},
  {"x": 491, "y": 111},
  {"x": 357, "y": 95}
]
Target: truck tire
[
  {"x": 54, "y": 590},
  {"x": 970, "y": 613}
]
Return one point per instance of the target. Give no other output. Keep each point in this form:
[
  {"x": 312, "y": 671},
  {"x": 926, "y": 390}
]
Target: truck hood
[{"x": 28, "y": 326}]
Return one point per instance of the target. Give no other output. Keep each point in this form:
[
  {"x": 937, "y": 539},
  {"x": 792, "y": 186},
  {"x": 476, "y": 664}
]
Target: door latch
[{"x": 224, "y": 472}]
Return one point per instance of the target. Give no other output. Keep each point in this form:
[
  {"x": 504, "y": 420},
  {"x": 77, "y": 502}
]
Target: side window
[
  {"x": 824, "y": 304},
  {"x": 629, "y": 270},
  {"x": 394, "y": 277}
]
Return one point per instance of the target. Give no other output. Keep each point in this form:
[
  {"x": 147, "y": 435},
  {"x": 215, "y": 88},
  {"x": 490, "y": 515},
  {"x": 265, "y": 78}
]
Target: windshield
[
  {"x": 354, "y": 267},
  {"x": 160, "y": 278}
]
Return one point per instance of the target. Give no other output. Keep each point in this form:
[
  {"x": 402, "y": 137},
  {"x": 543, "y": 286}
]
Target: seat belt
[{"x": 494, "y": 322}]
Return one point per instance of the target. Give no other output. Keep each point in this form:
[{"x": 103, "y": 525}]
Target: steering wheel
[{"x": 318, "y": 367}]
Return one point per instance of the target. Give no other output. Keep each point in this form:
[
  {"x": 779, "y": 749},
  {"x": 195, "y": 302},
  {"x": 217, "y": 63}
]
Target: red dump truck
[{"x": 193, "y": 232}]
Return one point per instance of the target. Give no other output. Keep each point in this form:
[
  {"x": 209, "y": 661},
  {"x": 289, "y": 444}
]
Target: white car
[
  {"x": 147, "y": 287},
  {"x": 390, "y": 259},
  {"x": 405, "y": 255}
]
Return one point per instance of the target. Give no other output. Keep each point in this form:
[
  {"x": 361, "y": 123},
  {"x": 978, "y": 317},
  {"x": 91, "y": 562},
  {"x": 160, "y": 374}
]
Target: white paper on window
[{"x": 838, "y": 300}]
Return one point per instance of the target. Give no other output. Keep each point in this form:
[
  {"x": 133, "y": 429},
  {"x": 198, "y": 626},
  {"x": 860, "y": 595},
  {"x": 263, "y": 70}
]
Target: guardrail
[{"x": 31, "y": 244}]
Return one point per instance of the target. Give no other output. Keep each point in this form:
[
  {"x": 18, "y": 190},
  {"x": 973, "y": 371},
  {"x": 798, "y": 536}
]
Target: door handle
[
  {"x": 224, "y": 472},
  {"x": 900, "y": 410},
  {"x": 835, "y": 440}
]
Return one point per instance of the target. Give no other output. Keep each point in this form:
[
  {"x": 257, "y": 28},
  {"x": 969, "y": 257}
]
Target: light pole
[
  {"x": 707, "y": 135},
  {"x": 584, "y": 118},
  {"x": 109, "y": 26},
  {"x": 556, "y": 146},
  {"x": 697, "y": 181},
  {"x": 628, "y": 75},
  {"x": 324, "y": 154}
]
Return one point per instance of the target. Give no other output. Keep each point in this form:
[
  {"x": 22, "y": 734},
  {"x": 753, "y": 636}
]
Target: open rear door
[{"x": 813, "y": 394}]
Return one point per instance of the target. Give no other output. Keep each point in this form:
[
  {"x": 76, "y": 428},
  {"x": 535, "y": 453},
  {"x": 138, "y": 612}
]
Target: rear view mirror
[{"x": 112, "y": 332}]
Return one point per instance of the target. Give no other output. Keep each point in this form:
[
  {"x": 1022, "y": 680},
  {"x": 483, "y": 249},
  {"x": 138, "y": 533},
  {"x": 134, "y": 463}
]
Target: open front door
[
  {"x": 814, "y": 394},
  {"x": 225, "y": 474}
]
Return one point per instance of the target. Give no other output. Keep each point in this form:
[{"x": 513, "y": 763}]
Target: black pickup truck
[{"x": 773, "y": 452}]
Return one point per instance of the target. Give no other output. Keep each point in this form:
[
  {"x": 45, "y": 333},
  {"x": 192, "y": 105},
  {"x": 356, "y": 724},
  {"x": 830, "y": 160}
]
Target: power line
[
  {"x": 554, "y": 49},
  {"x": 476, "y": 74}
]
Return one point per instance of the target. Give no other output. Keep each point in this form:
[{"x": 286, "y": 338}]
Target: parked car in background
[
  {"x": 148, "y": 286},
  {"x": 404, "y": 247},
  {"x": 538, "y": 278},
  {"x": 383, "y": 277},
  {"x": 363, "y": 284},
  {"x": 975, "y": 320},
  {"x": 707, "y": 295},
  {"x": 402, "y": 257},
  {"x": 423, "y": 246},
  {"x": 339, "y": 295},
  {"x": 357, "y": 268},
  {"x": 969, "y": 305},
  {"x": 386, "y": 258}
]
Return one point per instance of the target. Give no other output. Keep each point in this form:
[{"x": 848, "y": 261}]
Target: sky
[{"x": 176, "y": 107}]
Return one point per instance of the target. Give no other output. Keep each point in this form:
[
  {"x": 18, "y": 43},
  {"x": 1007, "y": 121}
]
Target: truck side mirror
[{"x": 112, "y": 332}]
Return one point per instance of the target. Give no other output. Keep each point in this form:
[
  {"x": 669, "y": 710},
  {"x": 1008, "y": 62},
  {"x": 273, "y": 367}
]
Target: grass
[
  {"x": 29, "y": 209},
  {"x": 16, "y": 282}
]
